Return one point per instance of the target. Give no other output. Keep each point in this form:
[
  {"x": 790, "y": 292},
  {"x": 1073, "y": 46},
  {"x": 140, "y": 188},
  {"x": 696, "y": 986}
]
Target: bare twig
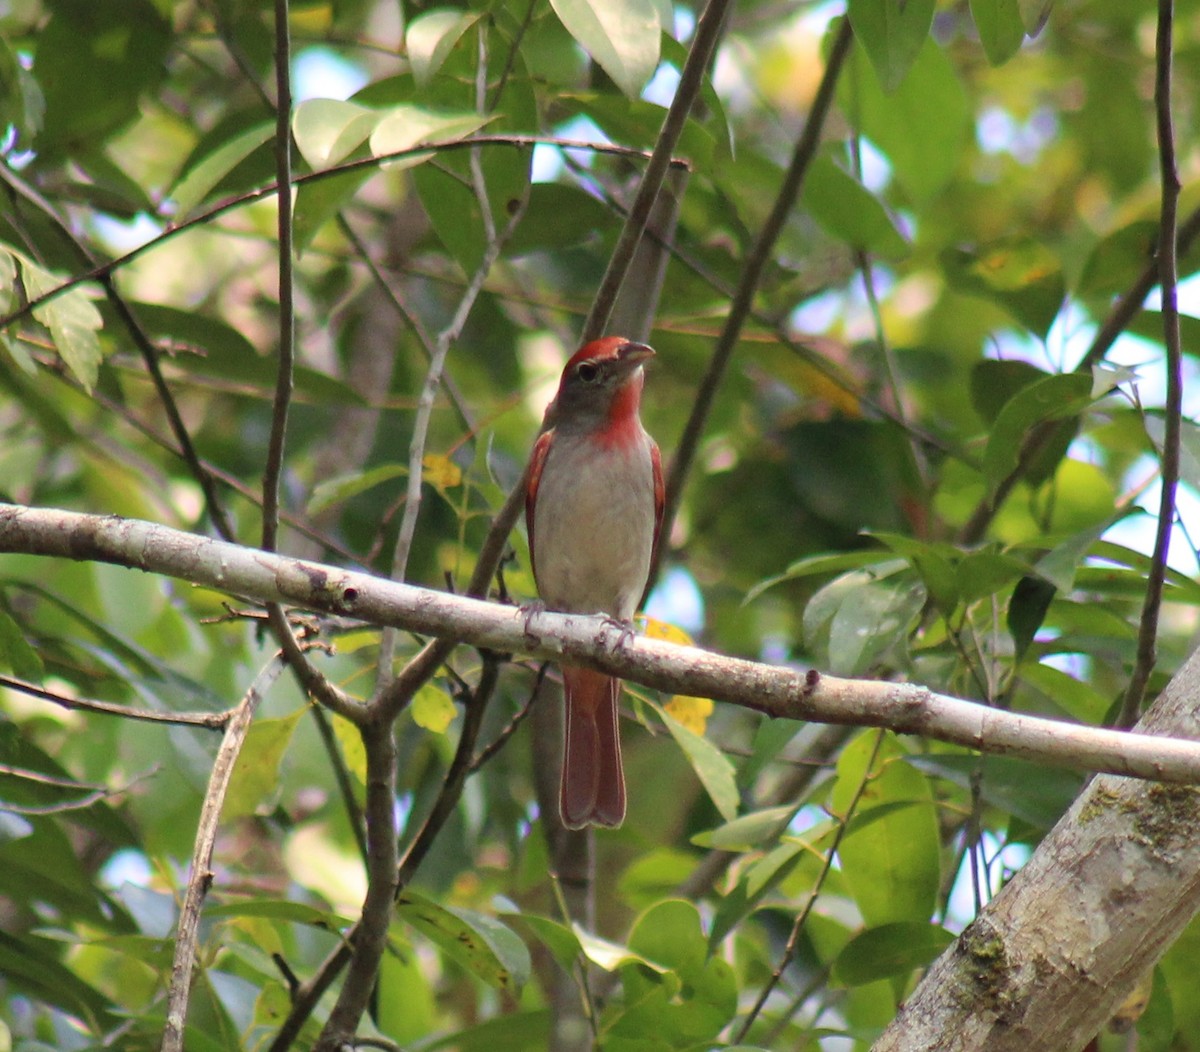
[
  {"x": 212, "y": 720},
  {"x": 1131, "y": 705},
  {"x": 200, "y": 877},
  {"x": 752, "y": 270},
  {"x": 773, "y": 690},
  {"x": 93, "y": 794},
  {"x": 287, "y": 314},
  {"x": 394, "y": 693}
]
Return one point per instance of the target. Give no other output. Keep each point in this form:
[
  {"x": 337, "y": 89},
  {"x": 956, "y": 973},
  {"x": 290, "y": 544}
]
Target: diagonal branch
[
  {"x": 200, "y": 877},
  {"x": 752, "y": 270},
  {"x": 708, "y": 33}
]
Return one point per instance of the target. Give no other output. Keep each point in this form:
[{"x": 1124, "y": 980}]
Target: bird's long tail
[{"x": 593, "y": 783}]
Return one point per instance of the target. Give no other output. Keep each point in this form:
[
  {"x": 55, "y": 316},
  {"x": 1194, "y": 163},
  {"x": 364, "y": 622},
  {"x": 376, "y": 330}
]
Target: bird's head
[{"x": 601, "y": 385}]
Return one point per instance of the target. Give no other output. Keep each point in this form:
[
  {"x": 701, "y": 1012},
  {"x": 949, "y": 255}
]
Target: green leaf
[
  {"x": 34, "y": 966},
  {"x": 815, "y": 565},
  {"x": 15, "y": 652},
  {"x": 758, "y": 880},
  {"x": 932, "y": 561},
  {"x": 327, "y": 131},
  {"x": 889, "y": 951},
  {"x": 694, "y": 1000},
  {"x": 200, "y": 179},
  {"x": 72, "y": 319},
  {"x": 1027, "y": 610},
  {"x": 404, "y": 127},
  {"x": 483, "y": 945},
  {"x": 1053, "y": 398},
  {"x": 623, "y": 36},
  {"x": 850, "y": 212},
  {"x": 1034, "y": 14},
  {"x": 1077, "y": 699},
  {"x": 892, "y": 33},
  {"x": 278, "y": 909},
  {"x": 891, "y": 865},
  {"x": 320, "y": 201},
  {"x": 431, "y": 37},
  {"x": 1036, "y": 793},
  {"x": 255, "y": 778},
  {"x": 94, "y": 62},
  {"x": 856, "y": 620},
  {"x": 1001, "y": 28},
  {"x": 1022, "y": 275},
  {"x": 712, "y": 767},
  {"x": 407, "y": 1008},
  {"x": 747, "y": 831},
  {"x": 922, "y": 126},
  {"x": 338, "y": 490},
  {"x": 995, "y": 382},
  {"x": 433, "y": 709},
  {"x": 559, "y": 939}
]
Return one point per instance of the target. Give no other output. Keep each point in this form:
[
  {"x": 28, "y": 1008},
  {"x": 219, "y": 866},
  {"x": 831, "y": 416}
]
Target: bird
[{"x": 593, "y": 512}]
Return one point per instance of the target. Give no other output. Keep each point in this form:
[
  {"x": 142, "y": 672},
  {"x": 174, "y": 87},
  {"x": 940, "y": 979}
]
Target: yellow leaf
[
  {"x": 354, "y": 753},
  {"x": 693, "y": 713},
  {"x": 432, "y": 709},
  {"x": 441, "y": 472},
  {"x": 656, "y": 629}
]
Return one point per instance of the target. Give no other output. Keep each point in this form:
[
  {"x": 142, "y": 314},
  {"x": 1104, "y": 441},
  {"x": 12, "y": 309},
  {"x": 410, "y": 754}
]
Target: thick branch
[
  {"x": 772, "y": 690},
  {"x": 1105, "y": 894}
]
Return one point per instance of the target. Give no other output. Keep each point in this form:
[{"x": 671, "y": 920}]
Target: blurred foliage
[{"x": 981, "y": 200}]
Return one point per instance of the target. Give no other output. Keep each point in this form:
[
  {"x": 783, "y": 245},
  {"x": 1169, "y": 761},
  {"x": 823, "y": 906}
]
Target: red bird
[{"x": 593, "y": 510}]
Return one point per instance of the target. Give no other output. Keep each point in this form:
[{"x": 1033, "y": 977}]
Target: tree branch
[
  {"x": 752, "y": 269},
  {"x": 591, "y": 641},
  {"x": 1147, "y": 646},
  {"x": 200, "y": 877},
  {"x": 708, "y": 32}
]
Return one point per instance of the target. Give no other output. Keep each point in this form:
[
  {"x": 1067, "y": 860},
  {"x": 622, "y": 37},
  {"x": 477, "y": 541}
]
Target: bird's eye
[{"x": 588, "y": 372}]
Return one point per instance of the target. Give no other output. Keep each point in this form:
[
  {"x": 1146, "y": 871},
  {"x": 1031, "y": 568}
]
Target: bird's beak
[{"x": 632, "y": 354}]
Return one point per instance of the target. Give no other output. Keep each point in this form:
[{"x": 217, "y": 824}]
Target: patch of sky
[
  {"x": 676, "y": 599},
  {"x": 1000, "y": 863},
  {"x": 998, "y": 131},
  {"x": 548, "y": 161},
  {"x": 320, "y": 73}
]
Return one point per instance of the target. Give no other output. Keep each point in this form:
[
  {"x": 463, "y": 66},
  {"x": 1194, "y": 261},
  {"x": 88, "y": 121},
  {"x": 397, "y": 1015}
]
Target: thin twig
[
  {"x": 1131, "y": 705},
  {"x": 518, "y": 142},
  {"x": 200, "y": 878},
  {"x": 211, "y": 720},
  {"x": 793, "y": 942},
  {"x": 708, "y": 32},
  {"x": 273, "y": 468},
  {"x": 752, "y": 271},
  {"x": 93, "y": 794},
  {"x": 393, "y": 693}
]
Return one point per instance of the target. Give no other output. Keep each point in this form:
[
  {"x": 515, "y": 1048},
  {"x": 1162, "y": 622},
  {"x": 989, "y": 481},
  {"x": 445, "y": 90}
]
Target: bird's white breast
[{"x": 594, "y": 525}]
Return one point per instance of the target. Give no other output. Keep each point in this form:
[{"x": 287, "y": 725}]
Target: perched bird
[{"x": 593, "y": 509}]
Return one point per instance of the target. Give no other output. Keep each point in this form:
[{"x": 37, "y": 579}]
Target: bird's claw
[
  {"x": 624, "y": 627},
  {"x": 530, "y": 610}
]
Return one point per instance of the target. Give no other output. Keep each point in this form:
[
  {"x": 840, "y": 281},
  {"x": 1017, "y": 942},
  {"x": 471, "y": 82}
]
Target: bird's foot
[
  {"x": 530, "y": 610},
  {"x": 625, "y": 627}
]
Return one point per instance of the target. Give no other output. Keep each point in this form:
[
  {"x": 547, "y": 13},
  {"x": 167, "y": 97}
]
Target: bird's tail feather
[{"x": 593, "y": 783}]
